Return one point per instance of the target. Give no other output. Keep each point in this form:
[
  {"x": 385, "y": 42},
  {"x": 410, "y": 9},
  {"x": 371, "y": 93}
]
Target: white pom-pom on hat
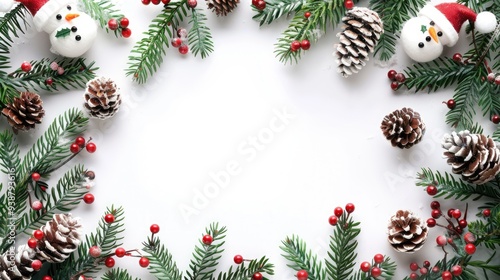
[{"x": 486, "y": 22}]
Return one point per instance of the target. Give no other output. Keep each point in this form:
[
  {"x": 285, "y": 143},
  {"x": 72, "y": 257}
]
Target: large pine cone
[
  {"x": 407, "y": 232},
  {"x": 404, "y": 128},
  {"x": 62, "y": 236},
  {"x": 17, "y": 265},
  {"x": 24, "y": 112},
  {"x": 362, "y": 31},
  {"x": 102, "y": 98},
  {"x": 474, "y": 156},
  {"x": 222, "y": 7}
]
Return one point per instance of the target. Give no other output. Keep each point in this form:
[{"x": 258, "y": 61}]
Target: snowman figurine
[
  {"x": 71, "y": 32},
  {"x": 423, "y": 37}
]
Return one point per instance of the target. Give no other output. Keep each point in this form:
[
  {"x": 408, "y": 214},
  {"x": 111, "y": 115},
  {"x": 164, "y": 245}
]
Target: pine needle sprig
[
  {"x": 387, "y": 268},
  {"x": 11, "y": 24},
  {"x": 102, "y": 11},
  {"x": 296, "y": 252},
  {"x": 147, "y": 55},
  {"x": 206, "y": 257},
  {"x": 243, "y": 272},
  {"x": 4, "y": 218},
  {"x": 466, "y": 96},
  {"x": 199, "y": 37},
  {"x": 161, "y": 263},
  {"x": 7, "y": 93},
  {"x": 487, "y": 234},
  {"x": 117, "y": 274},
  {"x": 447, "y": 264},
  {"x": 9, "y": 153},
  {"x": 276, "y": 9}
]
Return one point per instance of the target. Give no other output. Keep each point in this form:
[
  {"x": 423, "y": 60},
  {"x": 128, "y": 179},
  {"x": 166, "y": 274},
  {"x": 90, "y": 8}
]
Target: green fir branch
[
  {"x": 343, "y": 244},
  {"x": 244, "y": 272},
  {"x": 7, "y": 93},
  {"x": 206, "y": 257},
  {"x": 102, "y": 11},
  {"x": 199, "y": 37},
  {"x": 11, "y": 25},
  {"x": 276, "y": 9},
  {"x": 487, "y": 234},
  {"x": 466, "y": 96},
  {"x": 147, "y": 55},
  {"x": 295, "y": 251},
  {"x": 387, "y": 267},
  {"x": 117, "y": 274},
  {"x": 161, "y": 263},
  {"x": 9, "y": 153},
  {"x": 446, "y": 264}
]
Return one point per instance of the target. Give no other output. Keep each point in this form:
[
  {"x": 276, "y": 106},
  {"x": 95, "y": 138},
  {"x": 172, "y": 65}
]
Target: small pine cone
[
  {"x": 102, "y": 98},
  {"x": 362, "y": 31},
  {"x": 222, "y": 7},
  {"x": 474, "y": 156},
  {"x": 17, "y": 266},
  {"x": 406, "y": 232},
  {"x": 62, "y": 236},
  {"x": 404, "y": 128},
  {"x": 24, "y": 112}
]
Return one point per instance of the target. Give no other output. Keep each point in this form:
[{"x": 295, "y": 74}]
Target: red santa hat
[{"x": 450, "y": 17}]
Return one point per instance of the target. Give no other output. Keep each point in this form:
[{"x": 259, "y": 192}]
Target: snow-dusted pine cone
[
  {"x": 404, "y": 128},
  {"x": 62, "y": 236},
  {"x": 474, "y": 156},
  {"x": 407, "y": 232},
  {"x": 20, "y": 267},
  {"x": 222, "y": 7},
  {"x": 362, "y": 30},
  {"x": 24, "y": 112},
  {"x": 102, "y": 98}
]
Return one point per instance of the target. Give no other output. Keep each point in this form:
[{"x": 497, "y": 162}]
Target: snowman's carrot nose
[
  {"x": 69, "y": 17},
  {"x": 432, "y": 32}
]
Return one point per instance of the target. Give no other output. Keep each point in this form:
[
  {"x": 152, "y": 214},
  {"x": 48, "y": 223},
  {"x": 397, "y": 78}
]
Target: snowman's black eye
[
  {"x": 74, "y": 29},
  {"x": 432, "y": 23},
  {"x": 68, "y": 7},
  {"x": 440, "y": 33},
  {"x": 428, "y": 38},
  {"x": 58, "y": 17},
  {"x": 420, "y": 45},
  {"x": 78, "y": 37}
]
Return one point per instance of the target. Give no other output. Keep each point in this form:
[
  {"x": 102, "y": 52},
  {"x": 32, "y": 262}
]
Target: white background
[{"x": 193, "y": 115}]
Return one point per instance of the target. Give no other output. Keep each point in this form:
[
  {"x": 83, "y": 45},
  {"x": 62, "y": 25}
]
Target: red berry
[
  {"x": 120, "y": 252},
  {"x": 74, "y": 148},
  {"x": 348, "y": 4},
  {"x": 446, "y": 275},
  {"x": 307, "y": 14},
  {"x": 49, "y": 82},
  {"x": 431, "y": 222},
  {"x": 435, "y": 213},
  {"x": 400, "y": 77},
  {"x": 109, "y": 218},
  {"x": 156, "y": 2},
  {"x": 456, "y": 213},
  {"x": 144, "y": 262},
  {"x": 91, "y": 147},
  {"x": 80, "y": 141},
  {"x": 88, "y": 198},
  {"x": 427, "y": 264},
  {"x": 165, "y": 2},
  {"x": 392, "y": 74},
  {"x": 192, "y": 3},
  {"x": 238, "y": 259},
  {"x": 124, "y": 22},
  {"x": 423, "y": 270},
  {"x": 365, "y": 266},
  {"x": 338, "y": 211},
  {"x": 35, "y": 176},
  {"x": 26, "y": 66},
  {"x": 254, "y": 2},
  {"x": 413, "y": 276},
  {"x": 261, "y": 5},
  {"x": 295, "y": 46},
  {"x": 154, "y": 228},
  {"x": 32, "y": 243},
  {"x": 470, "y": 248},
  {"x": 457, "y": 57},
  {"x": 182, "y": 33},
  {"x": 414, "y": 266},
  {"x": 349, "y": 208},
  {"x": 257, "y": 276},
  {"x": 450, "y": 212},
  {"x": 469, "y": 237},
  {"x": 462, "y": 223},
  {"x": 497, "y": 80},
  {"x": 95, "y": 251},
  {"x": 431, "y": 190},
  {"x": 146, "y": 2},
  {"x": 305, "y": 44},
  {"x": 109, "y": 262},
  {"x": 486, "y": 213},
  {"x": 394, "y": 85},
  {"x": 176, "y": 42},
  {"x": 456, "y": 270},
  {"x": 333, "y": 220},
  {"x": 37, "y": 205},
  {"x": 451, "y": 104},
  {"x": 46, "y": 277},
  {"x": 441, "y": 240},
  {"x": 126, "y": 32},
  {"x": 378, "y": 258},
  {"x": 183, "y": 49},
  {"x": 302, "y": 275},
  {"x": 113, "y": 24},
  {"x": 207, "y": 239},
  {"x": 38, "y": 234},
  {"x": 495, "y": 119},
  {"x": 376, "y": 272},
  {"x": 36, "y": 265},
  {"x": 436, "y": 269},
  {"x": 435, "y": 205}
]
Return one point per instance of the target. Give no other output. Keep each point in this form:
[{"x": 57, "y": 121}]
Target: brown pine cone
[
  {"x": 62, "y": 236},
  {"x": 17, "y": 265},
  {"x": 102, "y": 98},
  {"x": 407, "y": 232},
  {"x": 474, "y": 156},
  {"x": 222, "y": 7},
  {"x": 24, "y": 112},
  {"x": 404, "y": 128}
]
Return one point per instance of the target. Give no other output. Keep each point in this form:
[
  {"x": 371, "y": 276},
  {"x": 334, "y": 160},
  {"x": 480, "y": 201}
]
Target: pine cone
[
  {"x": 475, "y": 156},
  {"x": 404, "y": 128},
  {"x": 407, "y": 233},
  {"x": 222, "y": 7},
  {"x": 20, "y": 267},
  {"x": 361, "y": 33},
  {"x": 102, "y": 98},
  {"x": 61, "y": 237},
  {"x": 24, "y": 112}
]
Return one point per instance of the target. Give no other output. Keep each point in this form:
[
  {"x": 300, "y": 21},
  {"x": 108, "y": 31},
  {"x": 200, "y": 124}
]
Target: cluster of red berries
[
  {"x": 348, "y": 4},
  {"x": 79, "y": 143},
  {"x": 338, "y": 212},
  {"x": 452, "y": 213},
  {"x": 373, "y": 268},
  {"x": 33, "y": 243},
  {"x": 155, "y": 2},
  {"x": 27, "y": 67},
  {"x": 494, "y": 78},
  {"x": 122, "y": 25},
  {"x": 180, "y": 41},
  {"x": 259, "y": 4},
  {"x": 396, "y": 78},
  {"x": 426, "y": 269},
  {"x": 297, "y": 45}
]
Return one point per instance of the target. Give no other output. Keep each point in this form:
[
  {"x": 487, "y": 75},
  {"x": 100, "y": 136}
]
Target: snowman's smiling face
[
  {"x": 422, "y": 40},
  {"x": 62, "y": 16},
  {"x": 74, "y": 37}
]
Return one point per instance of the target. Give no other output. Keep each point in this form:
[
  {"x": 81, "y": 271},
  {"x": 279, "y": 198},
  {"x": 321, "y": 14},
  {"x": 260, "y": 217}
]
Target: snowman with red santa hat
[
  {"x": 436, "y": 26},
  {"x": 71, "y": 32}
]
